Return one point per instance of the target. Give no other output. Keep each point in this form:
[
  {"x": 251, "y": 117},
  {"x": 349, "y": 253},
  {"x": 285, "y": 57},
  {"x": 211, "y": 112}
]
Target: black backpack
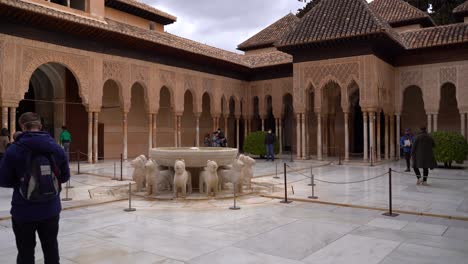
[{"x": 40, "y": 180}]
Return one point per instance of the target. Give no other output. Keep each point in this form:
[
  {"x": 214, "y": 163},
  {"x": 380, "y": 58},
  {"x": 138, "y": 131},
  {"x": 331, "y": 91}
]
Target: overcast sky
[{"x": 223, "y": 23}]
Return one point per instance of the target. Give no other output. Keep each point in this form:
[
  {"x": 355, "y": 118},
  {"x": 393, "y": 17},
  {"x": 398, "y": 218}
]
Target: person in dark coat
[
  {"x": 29, "y": 217},
  {"x": 270, "y": 140},
  {"x": 423, "y": 155}
]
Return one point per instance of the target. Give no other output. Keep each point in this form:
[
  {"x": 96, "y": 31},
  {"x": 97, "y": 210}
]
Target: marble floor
[{"x": 263, "y": 231}]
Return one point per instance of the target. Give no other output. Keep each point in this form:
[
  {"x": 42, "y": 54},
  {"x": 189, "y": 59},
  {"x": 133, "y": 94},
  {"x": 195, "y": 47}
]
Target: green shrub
[
  {"x": 254, "y": 144},
  {"x": 450, "y": 146}
]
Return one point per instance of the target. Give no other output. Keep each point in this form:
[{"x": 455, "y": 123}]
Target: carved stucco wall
[
  {"x": 276, "y": 88},
  {"x": 361, "y": 70},
  {"x": 430, "y": 78}
]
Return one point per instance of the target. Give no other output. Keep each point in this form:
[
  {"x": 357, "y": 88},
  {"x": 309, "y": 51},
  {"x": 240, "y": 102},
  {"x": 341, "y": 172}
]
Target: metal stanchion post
[
  {"x": 285, "y": 187},
  {"x": 121, "y": 167},
  {"x": 235, "y": 207},
  {"x": 390, "y": 209},
  {"x": 312, "y": 178},
  {"x": 66, "y": 199},
  {"x": 130, "y": 209},
  {"x": 276, "y": 175}
]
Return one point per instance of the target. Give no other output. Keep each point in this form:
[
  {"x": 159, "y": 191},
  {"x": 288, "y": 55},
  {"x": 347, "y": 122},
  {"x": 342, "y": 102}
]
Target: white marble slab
[
  {"x": 428, "y": 229},
  {"x": 353, "y": 249},
  {"x": 457, "y": 233},
  {"x": 233, "y": 255},
  {"x": 296, "y": 240},
  {"x": 387, "y": 223},
  {"x": 252, "y": 226},
  {"x": 417, "y": 254}
]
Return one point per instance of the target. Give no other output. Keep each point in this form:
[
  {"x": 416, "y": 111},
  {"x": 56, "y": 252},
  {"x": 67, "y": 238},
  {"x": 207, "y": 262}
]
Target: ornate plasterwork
[
  {"x": 208, "y": 85},
  {"x": 448, "y": 74},
  {"x": 113, "y": 70},
  {"x": 409, "y": 78},
  {"x": 344, "y": 73},
  {"x": 32, "y": 58},
  {"x": 268, "y": 89},
  {"x": 167, "y": 78},
  {"x": 140, "y": 74}
]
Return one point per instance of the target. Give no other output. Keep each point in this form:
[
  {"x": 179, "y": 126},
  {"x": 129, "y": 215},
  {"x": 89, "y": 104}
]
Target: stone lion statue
[
  {"x": 232, "y": 175},
  {"x": 139, "y": 173},
  {"x": 247, "y": 170},
  {"x": 158, "y": 178},
  {"x": 209, "y": 179},
  {"x": 182, "y": 179}
]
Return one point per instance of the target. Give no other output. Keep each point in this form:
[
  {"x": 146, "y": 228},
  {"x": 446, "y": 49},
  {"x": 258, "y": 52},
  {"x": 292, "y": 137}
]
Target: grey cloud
[{"x": 223, "y": 23}]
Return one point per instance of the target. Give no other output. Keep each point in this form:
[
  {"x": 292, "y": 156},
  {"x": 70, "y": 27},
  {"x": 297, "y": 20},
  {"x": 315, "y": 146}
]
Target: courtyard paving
[{"x": 264, "y": 231}]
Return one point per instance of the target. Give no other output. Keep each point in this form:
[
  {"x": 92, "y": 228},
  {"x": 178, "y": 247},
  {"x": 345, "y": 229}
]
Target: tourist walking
[
  {"x": 406, "y": 142},
  {"x": 4, "y": 141},
  {"x": 270, "y": 140},
  {"x": 215, "y": 140},
  {"x": 423, "y": 155},
  {"x": 221, "y": 138},
  {"x": 35, "y": 166},
  {"x": 65, "y": 141}
]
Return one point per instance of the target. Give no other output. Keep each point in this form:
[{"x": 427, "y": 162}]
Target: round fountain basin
[{"x": 194, "y": 157}]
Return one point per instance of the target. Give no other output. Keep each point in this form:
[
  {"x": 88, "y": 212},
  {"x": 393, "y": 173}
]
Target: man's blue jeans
[{"x": 270, "y": 152}]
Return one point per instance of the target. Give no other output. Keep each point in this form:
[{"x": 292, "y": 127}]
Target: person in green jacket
[{"x": 65, "y": 141}]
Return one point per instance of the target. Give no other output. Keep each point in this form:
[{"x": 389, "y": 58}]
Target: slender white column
[
  {"x": 4, "y": 117},
  {"x": 429, "y": 123},
  {"x": 237, "y": 132},
  {"x": 150, "y": 133},
  {"x": 372, "y": 134},
  {"x": 263, "y": 124},
  {"x": 12, "y": 122},
  {"x": 435, "y": 116},
  {"x": 197, "y": 129},
  {"x": 280, "y": 129},
  {"x": 463, "y": 124},
  {"x": 179, "y": 130},
  {"x": 319, "y": 136},
  {"x": 125, "y": 135},
  {"x": 307, "y": 137},
  {"x": 276, "y": 127},
  {"x": 90, "y": 137},
  {"x": 366, "y": 134},
  {"x": 298, "y": 135},
  {"x": 346, "y": 131},
  {"x": 303, "y": 123},
  {"x": 396, "y": 139},
  {"x": 175, "y": 131},
  {"x": 387, "y": 143},
  {"x": 379, "y": 136},
  {"x": 155, "y": 131},
  {"x": 95, "y": 141}
]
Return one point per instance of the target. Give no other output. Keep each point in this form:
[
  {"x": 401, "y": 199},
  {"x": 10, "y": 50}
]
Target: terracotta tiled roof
[
  {"x": 461, "y": 9},
  {"x": 399, "y": 13},
  {"x": 271, "y": 34},
  {"x": 437, "y": 36},
  {"x": 141, "y": 9},
  {"x": 267, "y": 59},
  {"x": 160, "y": 38},
  {"x": 338, "y": 19}
]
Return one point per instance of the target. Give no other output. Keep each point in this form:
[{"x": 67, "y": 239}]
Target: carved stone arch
[
  {"x": 336, "y": 83},
  {"x": 310, "y": 89},
  {"x": 171, "y": 93},
  {"x": 265, "y": 104},
  {"x": 346, "y": 93},
  {"x": 77, "y": 65},
  {"x": 145, "y": 93},
  {"x": 119, "y": 87}
]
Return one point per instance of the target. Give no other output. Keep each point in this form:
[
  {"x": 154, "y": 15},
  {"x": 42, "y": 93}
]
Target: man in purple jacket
[{"x": 31, "y": 217}]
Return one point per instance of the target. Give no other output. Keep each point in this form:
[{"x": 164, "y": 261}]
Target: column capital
[{"x": 197, "y": 115}]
